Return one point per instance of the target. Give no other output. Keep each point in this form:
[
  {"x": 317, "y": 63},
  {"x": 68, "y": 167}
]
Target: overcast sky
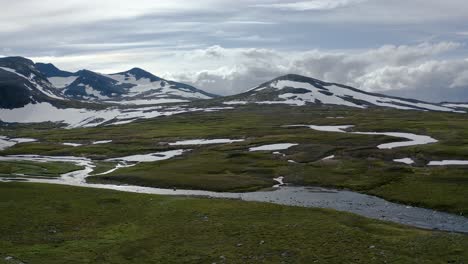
[{"x": 414, "y": 48}]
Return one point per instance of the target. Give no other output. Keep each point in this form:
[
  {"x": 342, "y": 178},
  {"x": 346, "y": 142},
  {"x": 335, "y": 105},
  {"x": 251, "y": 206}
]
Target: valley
[{"x": 361, "y": 164}]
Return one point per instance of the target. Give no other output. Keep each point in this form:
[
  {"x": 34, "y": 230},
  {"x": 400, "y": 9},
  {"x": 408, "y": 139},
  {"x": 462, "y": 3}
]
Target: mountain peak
[
  {"x": 139, "y": 73},
  {"x": 296, "y": 89},
  {"x": 17, "y": 59},
  {"x": 49, "y": 70}
]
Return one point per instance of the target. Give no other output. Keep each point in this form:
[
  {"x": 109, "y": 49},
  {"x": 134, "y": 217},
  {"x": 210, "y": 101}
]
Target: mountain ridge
[
  {"x": 23, "y": 82},
  {"x": 133, "y": 86},
  {"x": 296, "y": 89}
]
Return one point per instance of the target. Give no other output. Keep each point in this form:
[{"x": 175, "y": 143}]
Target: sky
[{"x": 410, "y": 48}]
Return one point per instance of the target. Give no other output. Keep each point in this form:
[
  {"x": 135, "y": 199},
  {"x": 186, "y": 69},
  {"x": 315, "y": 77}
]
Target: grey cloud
[{"x": 228, "y": 46}]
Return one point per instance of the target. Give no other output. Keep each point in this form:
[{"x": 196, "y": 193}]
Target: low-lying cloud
[{"x": 388, "y": 69}]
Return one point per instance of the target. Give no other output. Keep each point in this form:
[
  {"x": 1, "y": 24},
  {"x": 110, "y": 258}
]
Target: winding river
[{"x": 341, "y": 200}]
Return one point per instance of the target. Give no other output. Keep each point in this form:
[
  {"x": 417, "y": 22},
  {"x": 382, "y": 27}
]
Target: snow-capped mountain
[
  {"x": 135, "y": 86},
  {"x": 21, "y": 83},
  {"x": 300, "y": 90},
  {"x": 145, "y": 87}
]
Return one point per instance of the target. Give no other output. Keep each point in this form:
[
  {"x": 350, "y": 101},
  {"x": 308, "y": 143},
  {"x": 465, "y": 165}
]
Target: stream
[{"x": 340, "y": 200}]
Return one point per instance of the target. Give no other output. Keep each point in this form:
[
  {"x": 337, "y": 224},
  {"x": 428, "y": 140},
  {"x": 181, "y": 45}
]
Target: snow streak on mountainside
[
  {"x": 135, "y": 86},
  {"x": 299, "y": 90}
]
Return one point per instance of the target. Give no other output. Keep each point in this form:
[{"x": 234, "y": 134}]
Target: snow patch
[
  {"x": 75, "y": 117},
  {"x": 72, "y": 144},
  {"x": 148, "y": 101},
  {"x": 101, "y": 142},
  {"x": 10, "y": 142},
  {"x": 272, "y": 147},
  {"x": 151, "y": 157},
  {"x": 329, "y": 157},
  {"x": 146, "y": 87},
  {"x": 205, "y": 141},
  {"x": 340, "y": 129},
  {"x": 414, "y": 139},
  {"x": 235, "y": 103},
  {"x": 62, "y": 82},
  {"x": 408, "y": 161},
  {"x": 448, "y": 162},
  {"x": 279, "y": 180}
]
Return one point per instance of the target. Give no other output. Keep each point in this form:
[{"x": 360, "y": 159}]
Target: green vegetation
[
  {"x": 204, "y": 170},
  {"x": 30, "y": 168},
  {"x": 59, "y": 224},
  {"x": 359, "y": 164}
]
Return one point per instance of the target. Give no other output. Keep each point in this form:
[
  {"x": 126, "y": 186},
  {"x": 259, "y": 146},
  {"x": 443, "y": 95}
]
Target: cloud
[
  {"x": 312, "y": 5},
  {"x": 422, "y": 71},
  {"x": 228, "y": 46},
  {"x": 389, "y": 69}
]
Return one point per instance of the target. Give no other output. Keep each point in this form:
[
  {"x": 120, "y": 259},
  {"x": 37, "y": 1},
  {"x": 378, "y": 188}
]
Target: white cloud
[{"x": 385, "y": 69}]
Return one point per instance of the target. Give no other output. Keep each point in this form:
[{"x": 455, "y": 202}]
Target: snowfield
[{"x": 75, "y": 117}]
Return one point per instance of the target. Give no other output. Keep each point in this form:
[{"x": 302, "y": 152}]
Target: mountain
[
  {"x": 143, "y": 85},
  {"x": 22, "y": 83},
  {"x": 135, "y": 86},
  {"x": 300, "y": 90},
  {"x": 91, "y": 85}
]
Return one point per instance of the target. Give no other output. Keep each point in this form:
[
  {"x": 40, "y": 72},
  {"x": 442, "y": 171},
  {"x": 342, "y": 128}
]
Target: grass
[
  {"x": 360, "y": 166},
  {"x": 79, "y": 225},
  {"x": 204, "y": 170},
  {"x": 30, "y": 168}
]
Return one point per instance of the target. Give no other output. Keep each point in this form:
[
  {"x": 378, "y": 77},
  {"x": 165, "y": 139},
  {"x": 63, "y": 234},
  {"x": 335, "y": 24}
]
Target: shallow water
[{"x": 341, "y": 200}]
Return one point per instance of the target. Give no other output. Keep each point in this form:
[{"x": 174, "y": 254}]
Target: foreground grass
[{"x": 59, "y": 224}]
